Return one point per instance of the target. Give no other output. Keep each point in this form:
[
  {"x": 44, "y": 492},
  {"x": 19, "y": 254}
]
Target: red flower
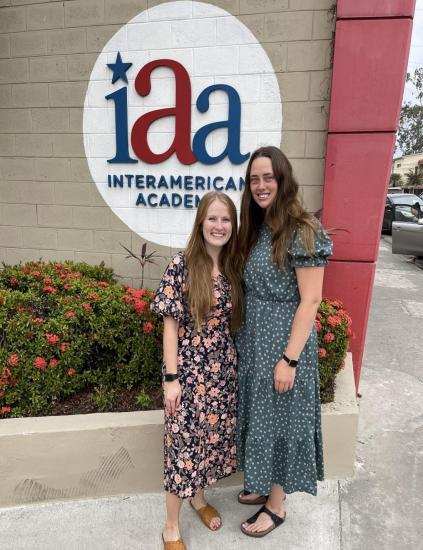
[
  {"x": 53, "y": 363},
  {"x": 67, "y": 286},
  {"x": 103, "y": 284},
  {"x": 36, "y": 273},
  {"x": 322, "y": 352},
  {"x": 92, "y": 296},
  {"x": 13, "y": 281},
  {"x": 49, "y": 289},
  {"x": 318, "y": 325},
  {"x": 47, "y": 280},
  {"x": 13, "y": 360},
  {"x": 5, "y": 410},
  {"x": 136, "y": 293},
  {"x": 64, "y": 346},
  {"x": 334, "y": 321},
  {"x": 6, "y": 372},
  {"x": 71, "y": 371},
  {"x": 148, "y": 327},
  {"x": 127, "y": 299},
  {"x": 329, "y": 337},
  {"x": 40, "y": 363},
  {"x": 69, "y": 314},
  {"x": 87, "y": 306},
  {"x": 140, "y": 306},
  {"x": 52, "y": 338}
]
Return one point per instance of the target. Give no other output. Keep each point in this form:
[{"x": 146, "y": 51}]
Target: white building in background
[{"x": 402, "y": 165}]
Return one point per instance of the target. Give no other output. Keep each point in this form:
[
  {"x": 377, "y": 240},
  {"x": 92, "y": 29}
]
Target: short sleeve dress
[
  {"x": 199, "y": 445},
  {"x": 279, "y": 434}
]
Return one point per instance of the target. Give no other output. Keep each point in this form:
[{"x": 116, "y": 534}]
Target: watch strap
[
  {"x": 291, "y": 362},
  {"x": 170, "y": 377}
]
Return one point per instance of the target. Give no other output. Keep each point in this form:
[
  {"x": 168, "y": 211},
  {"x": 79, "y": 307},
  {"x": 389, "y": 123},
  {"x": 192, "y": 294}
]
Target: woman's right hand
[{"x": 172, "y": 396}]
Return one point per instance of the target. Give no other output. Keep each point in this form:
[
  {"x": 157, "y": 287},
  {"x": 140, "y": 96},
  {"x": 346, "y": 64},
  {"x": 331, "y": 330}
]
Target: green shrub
[
  {"x": 334, "y": 331},
  {"x": 65, "y": 327}
]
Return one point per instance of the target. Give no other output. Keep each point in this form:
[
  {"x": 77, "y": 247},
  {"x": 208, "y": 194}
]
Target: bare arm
[
  {"x": 310, "y": 282},
  {"x": 172, "y": 390}
]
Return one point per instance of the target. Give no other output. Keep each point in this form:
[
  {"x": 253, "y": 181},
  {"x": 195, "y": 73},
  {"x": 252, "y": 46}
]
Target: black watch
[
  {"x": 171, "y": 377},
  {"x": 291, "y": 362}
]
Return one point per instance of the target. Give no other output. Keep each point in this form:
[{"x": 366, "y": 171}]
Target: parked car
[
  {"x": 392, "y": 200},
  {"x": 407, "y": 230},
  {"x": 421, "y": 196}
]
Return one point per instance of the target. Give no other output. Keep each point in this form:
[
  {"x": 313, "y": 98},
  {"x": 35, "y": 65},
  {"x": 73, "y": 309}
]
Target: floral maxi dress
[
  {"x": 279, "y": 434},
  {"x": 199, "y": 440}
]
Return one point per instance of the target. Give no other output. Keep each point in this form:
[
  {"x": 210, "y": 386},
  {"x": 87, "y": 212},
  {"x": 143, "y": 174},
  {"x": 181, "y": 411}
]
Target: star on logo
[{"x": 119, "y": 69}]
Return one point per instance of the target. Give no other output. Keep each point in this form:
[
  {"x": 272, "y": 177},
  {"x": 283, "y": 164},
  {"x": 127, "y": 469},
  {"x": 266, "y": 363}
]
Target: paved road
[{"x": 380, "y": 509}]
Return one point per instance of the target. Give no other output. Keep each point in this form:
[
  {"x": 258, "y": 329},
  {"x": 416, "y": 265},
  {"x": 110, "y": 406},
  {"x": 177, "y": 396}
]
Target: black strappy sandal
[{"x": 277, "y": 521}]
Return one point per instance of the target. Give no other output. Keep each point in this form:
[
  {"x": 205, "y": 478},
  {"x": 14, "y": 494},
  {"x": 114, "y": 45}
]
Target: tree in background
[
  {"x": 395, "y": 180},
  {"x": 414, "y": 178},
  {"x": 410, "y": 131}
]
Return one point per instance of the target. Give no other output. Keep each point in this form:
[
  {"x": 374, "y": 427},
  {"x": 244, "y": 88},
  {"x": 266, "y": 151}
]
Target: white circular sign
[{"x": 177, "y": 100}]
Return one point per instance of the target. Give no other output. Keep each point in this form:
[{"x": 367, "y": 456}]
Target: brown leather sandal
[
  {"x": 173, "y": 544},
  {"x": 206, "y": 514}
]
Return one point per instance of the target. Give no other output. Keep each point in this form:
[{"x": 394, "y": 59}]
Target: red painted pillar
[{"x": 372, "y": 42}]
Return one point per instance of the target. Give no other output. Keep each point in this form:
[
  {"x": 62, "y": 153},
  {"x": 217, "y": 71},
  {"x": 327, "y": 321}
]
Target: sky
[{"x": 416, "y": 52}]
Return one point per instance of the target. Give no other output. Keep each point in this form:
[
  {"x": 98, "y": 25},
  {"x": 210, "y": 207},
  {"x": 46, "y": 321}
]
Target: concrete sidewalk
[{"x": 380, "y": 509}]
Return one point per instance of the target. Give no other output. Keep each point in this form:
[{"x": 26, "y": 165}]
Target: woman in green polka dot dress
[{"x": 284, "y": 249}]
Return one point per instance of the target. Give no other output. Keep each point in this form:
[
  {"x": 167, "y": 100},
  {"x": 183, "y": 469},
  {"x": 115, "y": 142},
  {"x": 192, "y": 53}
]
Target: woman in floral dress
[
  {"x": 284, "y": 252},
  {"x": 200, "y": 299}
]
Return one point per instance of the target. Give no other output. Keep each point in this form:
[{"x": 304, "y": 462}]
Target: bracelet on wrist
[{"x": 291, "y": 362}]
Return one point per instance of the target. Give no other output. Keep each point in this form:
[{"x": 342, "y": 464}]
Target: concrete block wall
[{"x": 49, "y": 206}]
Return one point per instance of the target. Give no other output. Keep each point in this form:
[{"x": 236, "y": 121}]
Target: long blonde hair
[
  {"x": 286, "y": 213},
  {"x": 199, "y": 285}
]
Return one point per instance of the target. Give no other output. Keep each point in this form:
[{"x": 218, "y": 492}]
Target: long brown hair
[
  {"x": 199, "y": 284},
  {"x": 285, "y": 214}
]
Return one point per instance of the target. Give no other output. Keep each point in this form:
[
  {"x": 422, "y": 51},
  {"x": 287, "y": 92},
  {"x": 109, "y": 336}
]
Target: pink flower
[
  {"x": 71, "y": 372},
  {"x": 6, "y": 372},
  {"x": 318, "y": 325},
  {"x": 148, "y": 327},
  {"x": 5, "y": 410},
  {"x": 92, "y": 296},
  {"x": 103, "y": 284},
  {"x": 13, "y": 360},
  {"x": 40, "y": 363},
  {"x": 322, "y": 352},
  {"x": 49, "y": 289},
  {"x": 140, "y": 306},
  {"x": 334, "y": 321},
  {"x": 69, "y": 314},
  {"x": 87, "y": 306},
  {"x": 52, "y": 338},
  {"x": 47, "y": 280},
  {"x": 329, "y": 337},
  {"x": 64, "y": 346},
  {"x": 53, "y": 363}
]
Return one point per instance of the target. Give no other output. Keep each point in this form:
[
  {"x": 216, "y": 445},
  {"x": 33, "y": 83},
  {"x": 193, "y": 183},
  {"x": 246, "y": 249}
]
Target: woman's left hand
[{"x": 284, "y": 377}]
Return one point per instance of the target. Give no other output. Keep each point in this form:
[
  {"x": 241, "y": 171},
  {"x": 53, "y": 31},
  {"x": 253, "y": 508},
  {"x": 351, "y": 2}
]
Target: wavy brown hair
[
  {"x": 285, "y": 214},
  {"x": 199, "y": 264}
]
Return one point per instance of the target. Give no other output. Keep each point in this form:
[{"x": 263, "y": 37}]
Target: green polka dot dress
[{"x": 279, "y": 434}]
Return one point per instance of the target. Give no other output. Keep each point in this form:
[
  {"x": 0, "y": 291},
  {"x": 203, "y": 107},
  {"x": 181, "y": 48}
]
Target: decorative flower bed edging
[{"x": 50, "y": 458}]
